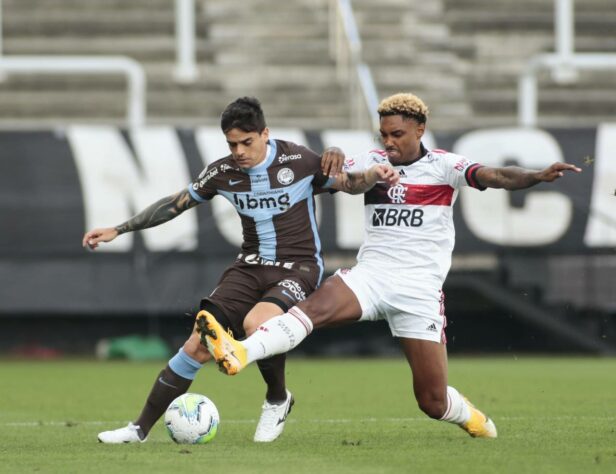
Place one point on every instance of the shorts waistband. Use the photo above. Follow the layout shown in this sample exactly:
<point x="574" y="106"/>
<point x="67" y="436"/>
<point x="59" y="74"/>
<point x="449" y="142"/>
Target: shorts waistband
<point x="256" y="259"/>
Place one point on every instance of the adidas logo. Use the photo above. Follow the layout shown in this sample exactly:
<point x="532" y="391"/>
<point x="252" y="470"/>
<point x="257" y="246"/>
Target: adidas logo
<point x="432" y="328"/>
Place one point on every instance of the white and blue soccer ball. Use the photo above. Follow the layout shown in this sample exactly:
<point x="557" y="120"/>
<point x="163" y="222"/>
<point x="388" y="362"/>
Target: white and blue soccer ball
<point x="192" y="419"/>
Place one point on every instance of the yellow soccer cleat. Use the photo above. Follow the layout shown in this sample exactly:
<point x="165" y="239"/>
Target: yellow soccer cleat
<point x="230" y="355"/>
<point x="479" y="425"/>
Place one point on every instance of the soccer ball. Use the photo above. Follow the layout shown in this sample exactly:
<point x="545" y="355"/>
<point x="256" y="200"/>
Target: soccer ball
<point x="192" y="419"/>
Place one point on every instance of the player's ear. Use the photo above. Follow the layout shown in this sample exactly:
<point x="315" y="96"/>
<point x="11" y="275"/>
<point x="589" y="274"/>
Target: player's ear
<point x="265" y="134"/>
<point x="420" y="130"/>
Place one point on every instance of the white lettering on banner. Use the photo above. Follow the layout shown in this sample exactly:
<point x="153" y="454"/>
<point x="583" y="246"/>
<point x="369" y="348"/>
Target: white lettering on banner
<point x="601" y="227"/>
<point x="546" y="215"/>
<point x="350" y="208"/>
<point x="212" y="147"/>
<point x="115" y="188"/>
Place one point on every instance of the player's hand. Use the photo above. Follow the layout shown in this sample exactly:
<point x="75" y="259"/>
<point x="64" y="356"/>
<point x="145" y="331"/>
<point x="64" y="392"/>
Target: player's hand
<point x="556" y="171"/>
<point x="332" y="161"/>
<point x="385" y="174"/>
<point x="94" y="237"/>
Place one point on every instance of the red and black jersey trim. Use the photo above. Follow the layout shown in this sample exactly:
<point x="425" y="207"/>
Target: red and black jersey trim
<point x="414" y="194"/>
<point x="471" y="176"/>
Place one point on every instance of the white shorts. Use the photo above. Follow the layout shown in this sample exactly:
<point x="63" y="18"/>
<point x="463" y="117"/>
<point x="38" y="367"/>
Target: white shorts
<point x="412" y="311"/>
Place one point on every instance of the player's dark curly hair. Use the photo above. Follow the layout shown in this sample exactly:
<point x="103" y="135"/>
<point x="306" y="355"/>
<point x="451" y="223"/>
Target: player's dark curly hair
<point x="244" y="113"/>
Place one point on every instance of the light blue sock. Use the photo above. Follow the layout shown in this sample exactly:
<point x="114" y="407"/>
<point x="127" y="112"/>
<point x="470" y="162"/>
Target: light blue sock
<point x="184" y="365"/>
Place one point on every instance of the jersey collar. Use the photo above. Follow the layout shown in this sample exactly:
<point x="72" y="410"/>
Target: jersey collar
<point x="270" y="154"/>
<point x="423" y="152"/>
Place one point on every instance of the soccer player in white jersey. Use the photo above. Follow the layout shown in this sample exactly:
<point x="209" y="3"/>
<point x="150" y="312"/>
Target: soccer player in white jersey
<point x="401" y="266"/>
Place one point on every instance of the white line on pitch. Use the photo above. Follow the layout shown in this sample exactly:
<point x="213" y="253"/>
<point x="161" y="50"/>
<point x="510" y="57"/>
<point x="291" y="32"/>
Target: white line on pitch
<point x="69" y="423"/>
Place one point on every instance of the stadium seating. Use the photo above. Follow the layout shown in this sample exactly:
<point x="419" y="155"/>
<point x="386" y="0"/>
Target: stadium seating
<point x="462" y="56"/>
<point x="496" y="39"/>
<point x="277" y="52"/>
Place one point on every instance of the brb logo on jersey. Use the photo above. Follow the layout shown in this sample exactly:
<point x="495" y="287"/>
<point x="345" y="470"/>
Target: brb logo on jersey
<point x="397" y="194"/>
<point x="245" y="201"/>
<point x="397" y="217"/>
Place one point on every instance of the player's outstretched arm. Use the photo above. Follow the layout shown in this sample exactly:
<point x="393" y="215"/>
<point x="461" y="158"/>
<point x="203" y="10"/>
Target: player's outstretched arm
<point x="360" y="182"/>
<point x="513" y="177"/>
<point x="161" y="211"/>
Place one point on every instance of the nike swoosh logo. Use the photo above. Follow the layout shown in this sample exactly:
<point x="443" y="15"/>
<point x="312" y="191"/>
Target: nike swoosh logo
<point x="160" y="379"/>
<point x="287" y="294"/>
<point x="234" y="356"/>
<point x="233" y="182"/>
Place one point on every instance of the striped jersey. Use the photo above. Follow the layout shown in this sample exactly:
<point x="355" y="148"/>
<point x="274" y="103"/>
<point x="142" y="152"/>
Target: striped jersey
<point x="274" y="201"/>
<point x="409" y="227"/>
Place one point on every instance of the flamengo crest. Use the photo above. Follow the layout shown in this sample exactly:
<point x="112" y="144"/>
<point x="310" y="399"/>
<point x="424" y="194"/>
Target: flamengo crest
<point x="397" y="194"/>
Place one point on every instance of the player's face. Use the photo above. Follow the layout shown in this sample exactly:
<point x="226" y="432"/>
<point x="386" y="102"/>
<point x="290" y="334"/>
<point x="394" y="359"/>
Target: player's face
<point x="248" y="148"/>
<point x="401" y="138"/>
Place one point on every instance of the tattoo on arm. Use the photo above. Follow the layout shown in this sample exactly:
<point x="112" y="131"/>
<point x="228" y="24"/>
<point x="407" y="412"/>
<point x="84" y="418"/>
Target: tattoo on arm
<point x="354" y="183"/>
<point x="509" y="177"/>
<point x="161" y="211"/>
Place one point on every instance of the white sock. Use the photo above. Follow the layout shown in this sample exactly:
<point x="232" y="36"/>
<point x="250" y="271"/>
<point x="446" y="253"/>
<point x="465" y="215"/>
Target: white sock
<point x="278" y="335"/>
<point x="458" y="411"/>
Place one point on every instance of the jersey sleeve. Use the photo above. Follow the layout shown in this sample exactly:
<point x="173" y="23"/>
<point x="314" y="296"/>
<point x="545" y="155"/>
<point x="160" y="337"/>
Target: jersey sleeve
<point x="320" y="181"/>
<point x="460" y="171"/>
<point x="363" y="161"/>
<point x="203" y="189"/>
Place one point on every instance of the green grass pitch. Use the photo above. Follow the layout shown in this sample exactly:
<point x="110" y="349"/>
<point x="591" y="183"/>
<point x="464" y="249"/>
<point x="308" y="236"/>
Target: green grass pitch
<point x="554" y="415"/>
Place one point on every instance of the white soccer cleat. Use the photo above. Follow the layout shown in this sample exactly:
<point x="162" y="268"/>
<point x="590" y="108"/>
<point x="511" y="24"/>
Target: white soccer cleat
<point x="127" y="434"/>
<point x="272" y="420"/>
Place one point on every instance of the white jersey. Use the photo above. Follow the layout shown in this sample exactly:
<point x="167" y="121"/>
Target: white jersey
<point x="409" y="227"/>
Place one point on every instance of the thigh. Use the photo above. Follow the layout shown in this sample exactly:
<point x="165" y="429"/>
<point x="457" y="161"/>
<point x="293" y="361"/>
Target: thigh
<point x="237" y="292"/>
<point x="332" y="304"/>
<point x="286" y="288"/>
<point x="428" y="362"/>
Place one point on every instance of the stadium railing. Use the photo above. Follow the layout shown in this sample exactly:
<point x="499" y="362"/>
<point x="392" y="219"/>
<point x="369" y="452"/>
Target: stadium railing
<point x="186" y="66"/>
<point x="136" y="109"/>
<point x="563" y="64"/>
<point x="345" y="47"/>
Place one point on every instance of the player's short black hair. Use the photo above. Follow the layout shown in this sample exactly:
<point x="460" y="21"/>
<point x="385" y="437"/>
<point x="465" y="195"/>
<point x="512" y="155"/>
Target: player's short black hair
<point x="244" y="113"/>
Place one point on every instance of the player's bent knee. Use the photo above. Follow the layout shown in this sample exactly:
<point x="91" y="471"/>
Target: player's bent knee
<point x="250" y="326"/>
<point x="193" y="348"/>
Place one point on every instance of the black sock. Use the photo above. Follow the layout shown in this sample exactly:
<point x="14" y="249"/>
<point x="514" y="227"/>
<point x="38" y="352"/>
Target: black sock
<point x="167" y="387"/>
<point x="272" y="371"/>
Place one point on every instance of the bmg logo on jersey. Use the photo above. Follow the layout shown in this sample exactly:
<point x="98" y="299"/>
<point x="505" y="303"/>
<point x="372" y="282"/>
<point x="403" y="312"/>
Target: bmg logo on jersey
<point x="244" y="201"/>
<point x="397" y="217"/>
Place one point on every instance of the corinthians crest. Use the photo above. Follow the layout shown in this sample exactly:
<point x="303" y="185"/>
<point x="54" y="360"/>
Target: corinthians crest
<point x="285" y="176"/>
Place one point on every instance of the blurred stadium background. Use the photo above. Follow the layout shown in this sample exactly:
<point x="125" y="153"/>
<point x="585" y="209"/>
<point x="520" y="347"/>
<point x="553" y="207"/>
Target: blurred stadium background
<point x="106" y="105"/>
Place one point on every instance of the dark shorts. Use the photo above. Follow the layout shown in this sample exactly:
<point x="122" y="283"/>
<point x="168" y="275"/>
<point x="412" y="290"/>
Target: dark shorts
<point x="243" y="285"/>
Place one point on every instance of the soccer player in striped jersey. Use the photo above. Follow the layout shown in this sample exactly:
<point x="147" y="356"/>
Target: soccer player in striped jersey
<point x="271" y="184"/>
<point x="400" y="267"/>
